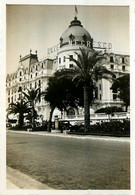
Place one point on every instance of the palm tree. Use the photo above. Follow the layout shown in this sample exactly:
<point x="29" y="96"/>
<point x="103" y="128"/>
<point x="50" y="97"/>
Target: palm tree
<point x="19" y="108"/>
<point x="88" y="70"/>
<point x="32" y="96"/>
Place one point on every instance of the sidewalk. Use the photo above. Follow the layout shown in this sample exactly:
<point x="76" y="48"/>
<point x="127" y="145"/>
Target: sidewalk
<point x="94" y="137"/>
<point x="24" y="181"/>
<point x="11" y="185"/>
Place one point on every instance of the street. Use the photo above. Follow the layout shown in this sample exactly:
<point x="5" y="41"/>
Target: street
<point x="66" y="163"/>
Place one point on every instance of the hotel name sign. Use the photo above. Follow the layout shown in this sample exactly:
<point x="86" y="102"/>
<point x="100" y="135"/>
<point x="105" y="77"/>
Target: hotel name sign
<point x="96" y="45"/>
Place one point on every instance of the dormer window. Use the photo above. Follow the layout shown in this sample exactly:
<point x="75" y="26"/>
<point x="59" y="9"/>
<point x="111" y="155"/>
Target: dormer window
<point x="111" y="59"/>
<point x="84" y="37"/>
<point x="123" y="60"/>
<point x="71" y="37"/>
<point x="61" y="40"/>
<point x="70" y="57"/>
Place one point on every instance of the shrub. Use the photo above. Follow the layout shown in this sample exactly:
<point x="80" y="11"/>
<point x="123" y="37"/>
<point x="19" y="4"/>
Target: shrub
<point x="112" y="128"/>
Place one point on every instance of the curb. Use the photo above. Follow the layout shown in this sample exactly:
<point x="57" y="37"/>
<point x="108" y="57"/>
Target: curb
<point x="19" y="180"/>
<point x="92" y="137"/>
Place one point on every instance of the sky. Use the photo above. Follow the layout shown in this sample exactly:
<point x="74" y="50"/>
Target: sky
<point x="40" y="27"/>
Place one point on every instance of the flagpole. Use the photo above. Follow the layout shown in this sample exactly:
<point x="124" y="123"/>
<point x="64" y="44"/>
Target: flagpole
<point x="76" y="11"/>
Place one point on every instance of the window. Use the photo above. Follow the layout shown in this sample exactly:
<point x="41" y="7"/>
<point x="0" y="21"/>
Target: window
<point x="100" y="87"/>
<point x="35" y="85"/>
<point x="71" y="65"/>
<point x="36" y="68"/>
<point x="70" y="57"/>
<point x="100" y="97"/>
<point x="64" y="58"/>
<point x="8" y="100"/>
<point x="30" y="85"/>
<point x="42" y="65"/>
<point x="20" y="89"/>
<point x="112" y="66"/>
<point x="20" y="73"/>
<point x="36" y="74"/>
<point x="39" y="83"/>
<point x="123" y="68"/>
<point x="31" y="76"/>
<point x="31" y="69"/>
<point x="114" y="76"/>
<point x="96" y="94"/>
<point x="115" y="90"/>
<point x="70" y="111"/>
<point x="114" y="96"/>
<point x="40" y="95"/>
<point x="123" y="60"/>
<point x="9" y="92"/>
<point x="111" y="59"/>
<point x="20" y="79"/>
<point x="59" y="60"/>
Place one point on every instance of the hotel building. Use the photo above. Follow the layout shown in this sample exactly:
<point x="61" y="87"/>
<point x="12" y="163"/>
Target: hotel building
<point x="34" y="73"/>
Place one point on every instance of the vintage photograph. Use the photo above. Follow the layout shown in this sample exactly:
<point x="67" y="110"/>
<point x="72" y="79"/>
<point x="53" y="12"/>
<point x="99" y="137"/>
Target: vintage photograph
<point x="67" y="97"/>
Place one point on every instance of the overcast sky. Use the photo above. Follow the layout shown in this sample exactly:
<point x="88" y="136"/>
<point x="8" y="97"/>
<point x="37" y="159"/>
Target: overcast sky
<point x="40" y="27"/>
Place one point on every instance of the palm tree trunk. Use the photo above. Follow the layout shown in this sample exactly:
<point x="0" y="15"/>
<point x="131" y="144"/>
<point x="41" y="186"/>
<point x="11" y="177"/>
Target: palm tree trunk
<point x="33" y="119"/>
<point x="86" y="108"/>
<point x="20" y="119"/>
<point x="50" y="119"/>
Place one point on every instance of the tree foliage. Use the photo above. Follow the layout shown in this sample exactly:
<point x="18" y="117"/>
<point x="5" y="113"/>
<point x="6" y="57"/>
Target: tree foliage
<point x="31" y="97"/>
<point x="122" y="86"/>
<point x="88" y="70"/>
<point x="20" y="108"/>
<point x="62" y="93"/>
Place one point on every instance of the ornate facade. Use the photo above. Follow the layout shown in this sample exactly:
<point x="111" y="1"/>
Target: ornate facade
<point x="32" y="73"/>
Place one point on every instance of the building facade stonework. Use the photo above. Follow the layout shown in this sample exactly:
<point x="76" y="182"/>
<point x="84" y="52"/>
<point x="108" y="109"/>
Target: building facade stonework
<point x="33" y="73"/>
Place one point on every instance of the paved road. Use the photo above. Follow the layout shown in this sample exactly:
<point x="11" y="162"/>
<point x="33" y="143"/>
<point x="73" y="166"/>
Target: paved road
<point x="66" y="163"/>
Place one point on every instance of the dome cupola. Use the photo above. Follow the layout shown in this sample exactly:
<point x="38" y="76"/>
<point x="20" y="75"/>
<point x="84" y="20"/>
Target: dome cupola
<point x="75" y="34"/>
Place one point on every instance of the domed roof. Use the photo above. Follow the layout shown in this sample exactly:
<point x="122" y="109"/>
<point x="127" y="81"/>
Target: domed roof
<point x="75" y="32"/>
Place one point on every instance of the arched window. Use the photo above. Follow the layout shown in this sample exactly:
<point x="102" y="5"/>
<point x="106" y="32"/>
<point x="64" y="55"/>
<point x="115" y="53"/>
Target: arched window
<point x="70" y="111"/>
<point x="20" y="73"/>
